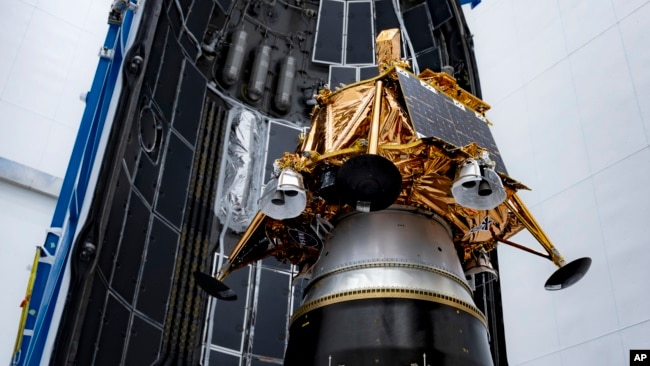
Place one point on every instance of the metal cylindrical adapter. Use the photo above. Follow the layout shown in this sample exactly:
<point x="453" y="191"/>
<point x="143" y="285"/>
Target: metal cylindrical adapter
<point x="388" y="289"/>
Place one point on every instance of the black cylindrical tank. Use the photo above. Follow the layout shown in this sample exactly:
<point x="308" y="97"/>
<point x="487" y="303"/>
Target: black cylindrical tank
<point x="285" y="84"/>
<point x="388" y="290"/>
<point x="259" y="72"/>
<point x="235" y="58"/>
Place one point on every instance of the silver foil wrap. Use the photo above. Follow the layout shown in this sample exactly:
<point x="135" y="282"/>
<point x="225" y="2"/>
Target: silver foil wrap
<point x="236" y="202"/>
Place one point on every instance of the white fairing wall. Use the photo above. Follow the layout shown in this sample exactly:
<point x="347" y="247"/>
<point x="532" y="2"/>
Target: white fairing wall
<point x="569" y="85"/>
<point x="24" y="217"/>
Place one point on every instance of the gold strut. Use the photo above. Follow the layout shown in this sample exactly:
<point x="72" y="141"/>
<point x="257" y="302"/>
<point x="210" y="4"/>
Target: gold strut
<point x="516" y="206"/>
<point x="255" y="223"/>
<point x="373" y="139"/>
<point x="308" y="145"/>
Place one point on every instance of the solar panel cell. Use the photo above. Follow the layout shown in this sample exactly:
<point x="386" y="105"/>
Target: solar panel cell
<point x="435" y="114"/>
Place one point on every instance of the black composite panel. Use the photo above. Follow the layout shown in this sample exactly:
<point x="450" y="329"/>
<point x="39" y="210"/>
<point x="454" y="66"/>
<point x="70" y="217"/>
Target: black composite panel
<point x="328" y="47"/>
<point x="359" y="47"/>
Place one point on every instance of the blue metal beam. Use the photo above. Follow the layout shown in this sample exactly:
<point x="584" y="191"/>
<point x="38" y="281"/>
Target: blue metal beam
<point x="58" y="242"/>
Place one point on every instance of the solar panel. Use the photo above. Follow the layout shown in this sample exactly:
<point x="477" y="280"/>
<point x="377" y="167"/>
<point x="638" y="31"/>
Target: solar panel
<point x="328" y="47"/>
<point x="435" y="114"/>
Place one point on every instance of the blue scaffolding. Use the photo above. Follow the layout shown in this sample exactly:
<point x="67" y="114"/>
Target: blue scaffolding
<point x="44" y="289"/>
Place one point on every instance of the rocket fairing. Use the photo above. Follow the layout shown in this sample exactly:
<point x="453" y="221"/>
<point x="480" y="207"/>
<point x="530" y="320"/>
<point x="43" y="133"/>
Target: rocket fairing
<point x="390" y="206"/>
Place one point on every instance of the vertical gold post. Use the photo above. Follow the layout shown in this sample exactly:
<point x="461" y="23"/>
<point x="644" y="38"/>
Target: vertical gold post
<point x="308" y="144"/>
<point x="329" y="130"/>
<point x="373" y="139"/>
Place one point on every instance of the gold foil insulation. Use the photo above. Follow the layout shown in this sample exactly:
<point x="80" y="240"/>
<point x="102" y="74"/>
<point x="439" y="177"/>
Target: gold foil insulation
<point x="341" y="128"/>
<point x="387" y="48"/>
<point x="447" y="84"/>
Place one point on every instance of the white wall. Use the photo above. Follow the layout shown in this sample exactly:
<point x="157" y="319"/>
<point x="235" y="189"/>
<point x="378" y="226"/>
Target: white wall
<point x="24" y="217"/>
<point x="569" y="85"/>
<point x="48" y="58"/>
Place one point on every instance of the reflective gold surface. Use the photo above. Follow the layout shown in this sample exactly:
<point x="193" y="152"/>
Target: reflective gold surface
<point x="371" y="117"/>
<point x="447" y="85"/>
<point x="517" y="207"/>
<point x="341" y="128"/>
<point x="387" y="48"/>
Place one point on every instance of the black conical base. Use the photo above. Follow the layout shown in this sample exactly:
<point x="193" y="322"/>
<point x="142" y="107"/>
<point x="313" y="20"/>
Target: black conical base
<point x="214" y="287"/>
<point x="387" y="332"/>
<point x="568" y="275"/>
<point x="369" y="182"/>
